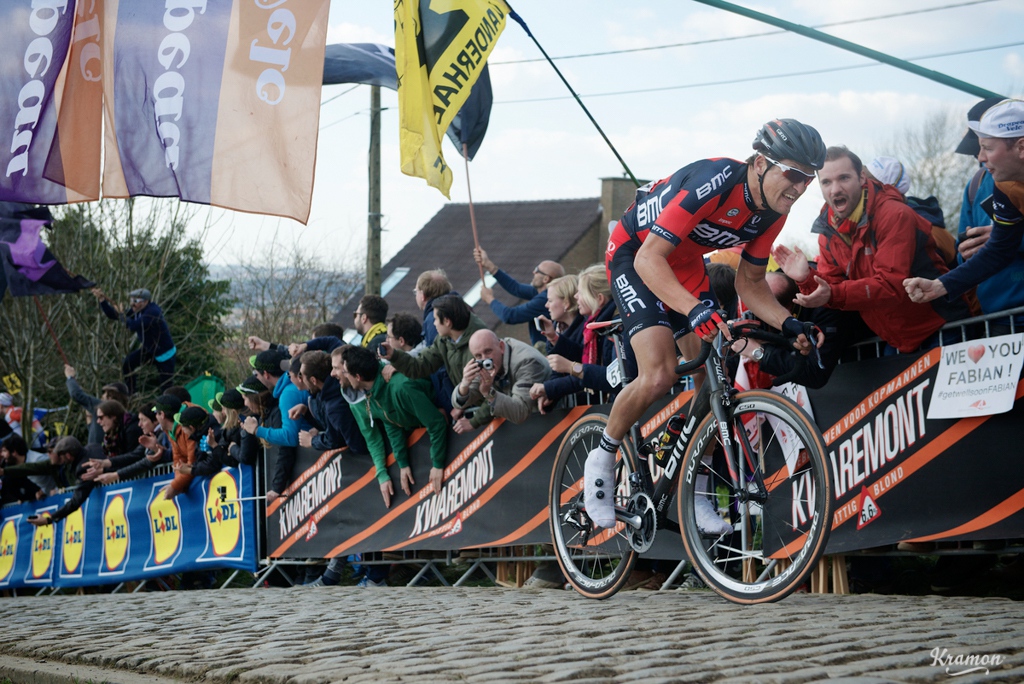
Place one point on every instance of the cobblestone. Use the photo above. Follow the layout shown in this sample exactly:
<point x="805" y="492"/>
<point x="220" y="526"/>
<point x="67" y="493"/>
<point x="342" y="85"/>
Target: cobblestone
<point x="350" y="635"/>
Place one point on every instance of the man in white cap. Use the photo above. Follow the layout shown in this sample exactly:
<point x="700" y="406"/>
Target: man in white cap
<point x="1000" y="132"/>
<point x="146" y="319"/>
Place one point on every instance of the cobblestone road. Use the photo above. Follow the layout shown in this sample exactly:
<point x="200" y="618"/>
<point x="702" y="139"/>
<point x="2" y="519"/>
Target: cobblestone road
<point x="347" y="634"/>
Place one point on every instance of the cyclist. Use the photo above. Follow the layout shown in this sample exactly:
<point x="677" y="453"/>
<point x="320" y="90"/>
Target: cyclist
<point x="656" y="268"/>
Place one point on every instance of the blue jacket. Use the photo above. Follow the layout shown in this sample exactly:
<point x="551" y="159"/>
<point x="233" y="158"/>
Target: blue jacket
<point x="148" y="325"/>
<point x="524" y="313"/>
<point x="332" y="411"/>
<point x="287" y="395"/>
<point x="1005" y="289"/>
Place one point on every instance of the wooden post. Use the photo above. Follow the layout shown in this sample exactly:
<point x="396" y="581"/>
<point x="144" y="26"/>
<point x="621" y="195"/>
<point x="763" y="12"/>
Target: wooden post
<point x="373" y="278"/>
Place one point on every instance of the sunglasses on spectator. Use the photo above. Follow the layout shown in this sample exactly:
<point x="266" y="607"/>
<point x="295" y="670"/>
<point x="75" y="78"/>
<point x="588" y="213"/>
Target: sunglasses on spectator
<point x="793" y="175"/>
<point x="537" y="270"/>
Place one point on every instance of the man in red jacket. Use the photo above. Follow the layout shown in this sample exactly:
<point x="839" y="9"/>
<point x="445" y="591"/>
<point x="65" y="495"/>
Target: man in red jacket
<point x="869" y="242"/>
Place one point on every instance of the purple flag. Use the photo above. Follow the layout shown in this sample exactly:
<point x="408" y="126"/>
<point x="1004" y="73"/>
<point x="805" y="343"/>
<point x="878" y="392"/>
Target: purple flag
<point x="29" y="268"/>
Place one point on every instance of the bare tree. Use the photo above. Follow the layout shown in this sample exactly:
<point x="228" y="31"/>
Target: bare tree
<point x="926" y="150"/>
<point x="284" y="292"/>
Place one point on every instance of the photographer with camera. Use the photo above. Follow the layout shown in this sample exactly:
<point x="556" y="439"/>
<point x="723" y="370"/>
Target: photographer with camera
<point x="498" y="380"/>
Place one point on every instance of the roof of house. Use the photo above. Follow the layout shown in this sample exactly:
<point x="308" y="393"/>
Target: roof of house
<point x="516" y="236"/>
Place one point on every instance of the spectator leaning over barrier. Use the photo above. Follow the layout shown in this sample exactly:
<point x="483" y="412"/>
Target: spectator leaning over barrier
<point x="1000" y="131"/>
<point x="182" y="448"/>
<point x="70" y="455"/>
<point x="563" y="318"/>
<point x="583" y="365"/>
<point x="535" y="292"/>
<point x="329" y="408"/>
<point x="498" y="380"/>
<point x="137" y="462"/>
<point x="270" y="371"/>
<point x="195" y="424"/>
<point x="369" y="319"/>
<point x="456" y="323"/>
<point x="146" y="320"/>
<point x="869" y="242"/>
<point x="225" y="448"/>
<point x="117" y="391"/>
<point x="403" y="405"/>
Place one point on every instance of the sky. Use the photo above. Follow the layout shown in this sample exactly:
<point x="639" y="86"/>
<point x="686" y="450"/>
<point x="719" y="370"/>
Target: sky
<point x="661" y="108"/>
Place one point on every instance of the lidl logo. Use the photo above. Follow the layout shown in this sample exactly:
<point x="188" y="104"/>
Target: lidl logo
<point x="165" y="525"/>
<point x="223" y="514"/>
<point x="74" y="541"/>
<point x="115" y="533"/>
<point x="8" y="549"/>
<point x="42" y="550"/>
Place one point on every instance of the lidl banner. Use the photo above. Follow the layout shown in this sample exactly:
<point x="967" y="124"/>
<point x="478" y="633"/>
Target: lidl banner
<point x="495" y="493"/>
<point x="127" y="531"/>
<point x="901" y="475"/>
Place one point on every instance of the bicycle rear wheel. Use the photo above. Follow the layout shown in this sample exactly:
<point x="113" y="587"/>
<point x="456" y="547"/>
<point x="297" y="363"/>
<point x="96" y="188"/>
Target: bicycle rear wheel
<point x="781" y="512"/>
<point x="596" y="562"/>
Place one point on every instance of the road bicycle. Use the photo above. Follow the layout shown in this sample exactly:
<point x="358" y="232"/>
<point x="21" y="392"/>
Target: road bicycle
<point x="754" y="454"/>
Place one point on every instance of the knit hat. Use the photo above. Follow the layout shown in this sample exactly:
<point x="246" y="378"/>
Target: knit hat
<point x="191" y="416"/>
<point x="251" y="385"/>
<point x="230" y="398"/>
<point x="969" y="145"/>
<point x="891" y="172"/>
<point x="271" y="360"/>
<point x="141" y="293"/>
<point x="168" y="403"/>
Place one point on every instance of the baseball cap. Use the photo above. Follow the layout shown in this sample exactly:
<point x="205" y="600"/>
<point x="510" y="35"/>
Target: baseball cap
<point x="1002" y="120"/>
<point x="890" y="171"/>
<point x="230" y="398"/>
<point x="969" y="145"/>
<point x="271" y="360"/>
<point x="168" y="403"/>
<point x="141" y="293"/>
<point x="191" y="416"/>
<point x="251" y="385"/>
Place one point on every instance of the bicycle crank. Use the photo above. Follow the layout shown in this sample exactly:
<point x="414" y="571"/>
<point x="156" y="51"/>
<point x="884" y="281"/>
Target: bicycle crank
<point x="641" y="537"/>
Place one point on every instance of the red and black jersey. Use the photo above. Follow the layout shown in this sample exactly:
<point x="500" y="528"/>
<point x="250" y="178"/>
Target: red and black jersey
<point x="702" y="207"/>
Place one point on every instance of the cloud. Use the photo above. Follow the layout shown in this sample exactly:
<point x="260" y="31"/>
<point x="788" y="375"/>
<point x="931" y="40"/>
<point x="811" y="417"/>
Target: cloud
<point x="345" y="32"/>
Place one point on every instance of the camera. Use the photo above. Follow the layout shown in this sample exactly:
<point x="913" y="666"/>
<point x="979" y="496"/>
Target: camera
<point x="486" y="364"/>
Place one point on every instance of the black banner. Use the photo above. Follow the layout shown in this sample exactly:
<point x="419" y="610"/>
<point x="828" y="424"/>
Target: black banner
<point x="898" y="475"/>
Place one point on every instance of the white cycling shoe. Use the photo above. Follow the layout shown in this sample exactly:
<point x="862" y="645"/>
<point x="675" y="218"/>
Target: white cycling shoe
<point x="599" y="487"/>
<point x="708" y="519"/>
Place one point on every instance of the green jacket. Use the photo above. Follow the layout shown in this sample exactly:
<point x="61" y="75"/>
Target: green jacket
<point x="402" y="405"/>
<point x="453" y="356"/>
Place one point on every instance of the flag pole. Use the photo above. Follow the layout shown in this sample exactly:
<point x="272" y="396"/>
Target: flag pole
<point x="519" y="20"/>
<point x="49" y="327"/>
<point x="472" y="214"/>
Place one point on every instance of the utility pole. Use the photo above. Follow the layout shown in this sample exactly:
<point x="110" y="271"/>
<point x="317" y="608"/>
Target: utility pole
<point x="373" y="217"/>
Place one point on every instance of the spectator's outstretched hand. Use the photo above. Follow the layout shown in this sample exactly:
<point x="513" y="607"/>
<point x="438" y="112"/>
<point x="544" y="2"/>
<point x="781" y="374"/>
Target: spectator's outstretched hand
<point x="486" y="294"/>
<point x="436" y="479"/>
<point x="296" y="349"/>
<point x="211" y="438"/>
<point x="69" y="371"/>
<point x="306" y="438"/>
<point x="480" y="257"/>
<point x="407" y="481"/>
<point x="272" y="496"/>
<point x="387" y="490"/>
<point x="297" y="411"/>
<point x="250" y="424"/>
<point x="921" y="290"/>
<point x="559" y="364"/>
<point x="462" y="425"/>
<point x="108" y="478"/>
<point x="98" y="294"/>
<point x="258" y="344"/>
<point x="793" y="262"/>
<point x="821" y="296"/>
<point x="40" y="520"/>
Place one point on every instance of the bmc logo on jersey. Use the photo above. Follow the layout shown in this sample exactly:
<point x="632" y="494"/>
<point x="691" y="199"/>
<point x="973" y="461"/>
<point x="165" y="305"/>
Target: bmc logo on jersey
<point x="716" y="182"/>
<point x="649" y="209"/>
<point x="708" y="235"/>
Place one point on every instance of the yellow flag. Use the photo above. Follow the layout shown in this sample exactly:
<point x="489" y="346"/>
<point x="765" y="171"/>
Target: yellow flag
<point x="440" y="49"/>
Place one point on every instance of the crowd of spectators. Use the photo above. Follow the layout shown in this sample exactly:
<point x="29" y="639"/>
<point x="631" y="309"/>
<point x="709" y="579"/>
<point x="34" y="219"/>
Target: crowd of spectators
<point x="883" y="267"/>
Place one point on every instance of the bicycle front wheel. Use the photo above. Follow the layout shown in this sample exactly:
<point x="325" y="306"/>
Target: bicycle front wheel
<point x="777" y="497"/>
<point x="597" y="562"/>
